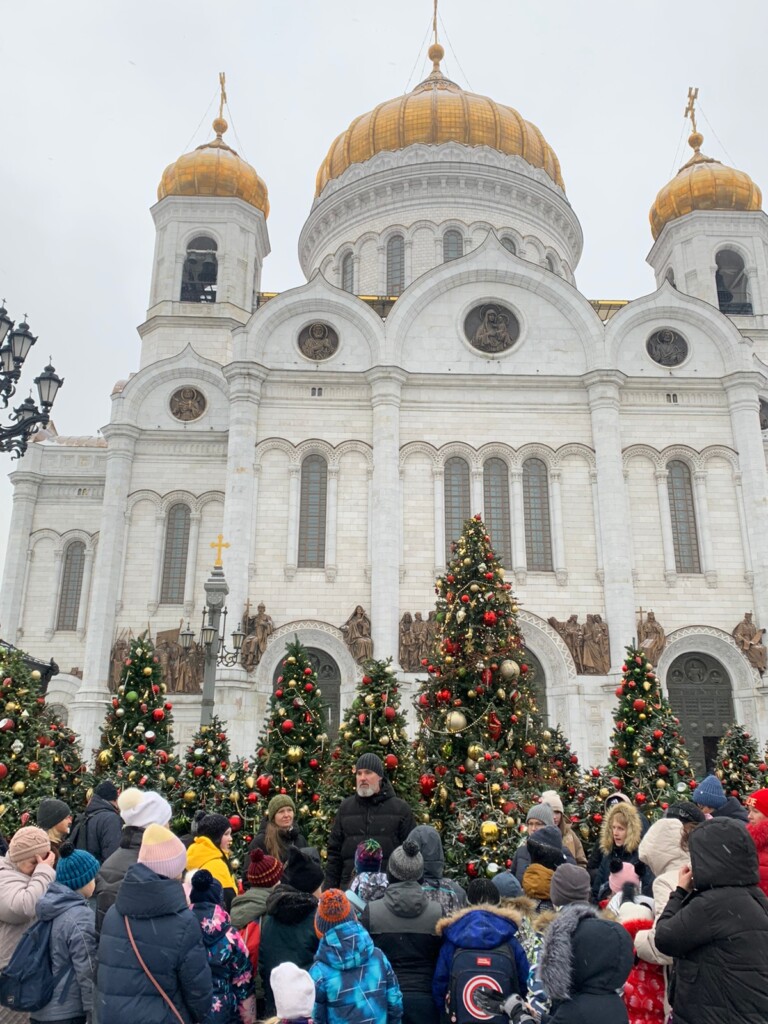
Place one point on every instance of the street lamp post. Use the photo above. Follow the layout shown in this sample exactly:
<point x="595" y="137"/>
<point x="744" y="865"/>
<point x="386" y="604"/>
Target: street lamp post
<point x="15" y="345"/>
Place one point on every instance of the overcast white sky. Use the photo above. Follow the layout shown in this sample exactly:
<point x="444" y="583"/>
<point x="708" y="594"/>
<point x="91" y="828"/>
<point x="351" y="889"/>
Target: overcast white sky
<point x="98" y="97"/>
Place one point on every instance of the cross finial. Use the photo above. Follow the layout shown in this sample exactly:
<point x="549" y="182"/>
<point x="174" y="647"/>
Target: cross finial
<point x="219" y="544"/>
<point x="223" y="87"/>
<point x="690" y="108"/>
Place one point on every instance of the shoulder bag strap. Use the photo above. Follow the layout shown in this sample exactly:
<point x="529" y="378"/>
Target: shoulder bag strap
<point x="149" y="974"/>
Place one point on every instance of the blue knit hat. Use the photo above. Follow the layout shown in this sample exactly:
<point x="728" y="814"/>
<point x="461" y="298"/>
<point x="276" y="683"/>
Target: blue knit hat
<point x="75" y="868"/>
<point x="709" y="793"/>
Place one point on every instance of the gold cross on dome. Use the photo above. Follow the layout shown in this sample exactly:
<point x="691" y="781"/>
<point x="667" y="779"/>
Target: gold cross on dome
<point x="219" y="544"/>
<point x="222" y="86"/>
<point x="690" y="109"/>
<point x="434" y="20"/>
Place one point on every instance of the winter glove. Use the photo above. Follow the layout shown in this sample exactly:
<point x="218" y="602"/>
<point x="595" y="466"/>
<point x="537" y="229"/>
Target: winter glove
<point x="513" y="1006"/>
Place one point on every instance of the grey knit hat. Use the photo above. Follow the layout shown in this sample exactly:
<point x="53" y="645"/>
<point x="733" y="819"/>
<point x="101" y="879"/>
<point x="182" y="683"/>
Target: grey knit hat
<point x="541" y="812"/>
<point x="51" y="812"/>
<point x="406" y="863"/>
<point x="371" y="763"/>
<point x="570" y="884"/>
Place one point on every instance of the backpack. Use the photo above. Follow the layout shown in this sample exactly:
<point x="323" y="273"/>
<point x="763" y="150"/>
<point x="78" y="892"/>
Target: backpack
<point x="78" y="834"/>
<point x="28" y="982"/>
<point x="251" y="936"/>
<point x="472" y="969"/>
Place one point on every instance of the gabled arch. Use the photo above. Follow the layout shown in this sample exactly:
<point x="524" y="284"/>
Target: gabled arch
<point x="496" y="450"/>
<point x="419" y="448"/>
<point x="461" y="450"/>
<point x="534" y="450"/>
<point x="187" y="365"/>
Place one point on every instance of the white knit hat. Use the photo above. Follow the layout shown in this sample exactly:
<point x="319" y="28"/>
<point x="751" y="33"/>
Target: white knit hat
<point x="140" y="809"/>
<point x="552" y="798"/>
<point x="294" y="991"/>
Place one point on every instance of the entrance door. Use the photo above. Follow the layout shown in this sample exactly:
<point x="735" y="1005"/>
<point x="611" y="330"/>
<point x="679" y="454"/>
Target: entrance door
<point x="702" y="698"/>
<point x="539" y="682"/>
<point x="329" y="681"/>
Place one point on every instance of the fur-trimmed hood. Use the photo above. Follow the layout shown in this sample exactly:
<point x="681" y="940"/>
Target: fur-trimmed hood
<point x="759" y="833"/>
<point x="480" y="927"/>
<point x="584" y="953"/>
<point x="634" y="828"/>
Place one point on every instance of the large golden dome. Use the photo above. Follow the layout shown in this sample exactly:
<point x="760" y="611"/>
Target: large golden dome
<point x="703" y="184"/>
<point x="214" y="169"/>
<point x="438" y="111"/>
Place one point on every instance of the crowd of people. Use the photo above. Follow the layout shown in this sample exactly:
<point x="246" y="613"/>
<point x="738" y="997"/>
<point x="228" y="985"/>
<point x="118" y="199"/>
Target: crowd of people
<point x="114" y="919"/>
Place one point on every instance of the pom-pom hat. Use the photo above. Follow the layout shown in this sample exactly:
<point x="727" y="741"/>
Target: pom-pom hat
<point x="333" y="908"/>
<point x="263" y="871"/>
<point x="162" y="851"/>
<point x="406" y="863"/>
<point x="141" y="808"/>
<point x="368" y="856"/>
<point x="76" y="868"/>
<point x="204" y="888"/>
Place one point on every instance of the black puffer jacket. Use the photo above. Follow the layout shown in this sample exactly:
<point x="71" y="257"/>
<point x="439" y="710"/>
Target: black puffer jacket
<point x="732" y="809"/>
<point x="99" y="829"/>
<point x="171" y="944"/>
<point x="288" y="837"/>
<point x="383" y="816"/>
<point x="287" y="934"/>
<point x="718" y="934"/>
<point x="112" y="873"/>
<point x="402" y="924"/>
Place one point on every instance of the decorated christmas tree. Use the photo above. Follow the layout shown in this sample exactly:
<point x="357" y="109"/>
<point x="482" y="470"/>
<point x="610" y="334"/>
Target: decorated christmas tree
<point x="245" y="810"/>
<point x="588" y="808"/>
<point x="738" y="764"/>
<point x="648" y="755"/>
<point x="137" y="735"/>
<point x="204" y="776"/>
<point x="373" y="723"/>
<point x="561" y="765"/>
<point x="480" y="739"/>
<point x="69" y="769"/>
<point x="293" y="748"/>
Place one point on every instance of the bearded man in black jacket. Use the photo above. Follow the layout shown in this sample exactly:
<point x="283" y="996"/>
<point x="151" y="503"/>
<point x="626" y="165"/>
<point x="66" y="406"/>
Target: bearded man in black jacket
<point x="374" y="812"/>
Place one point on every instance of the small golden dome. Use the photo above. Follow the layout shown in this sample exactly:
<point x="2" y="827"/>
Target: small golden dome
<point x="438" y="111"/>
<point x="214" y="169"/>
<point x="703" y="184"/>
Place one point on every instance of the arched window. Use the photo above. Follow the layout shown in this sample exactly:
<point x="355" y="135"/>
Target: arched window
<point x="314" y="489"/>
<point x="509" y="244"/>
<point x="683" y="515"/>
<point x="549" y="263"/>
<point x="201" y="268"/>
<point x="669" y="277"/>
<point x="71" y="586"/>
<point x="453" y="246"/>
<point x="175" y="555"/>
<point x="457" y="501"/>
<point x="732" y="284"/>
<point x="395" y="265"/>
<point x="348" y="273"/>
<point x="538" y="532"/>
<point x="496" y="491"/>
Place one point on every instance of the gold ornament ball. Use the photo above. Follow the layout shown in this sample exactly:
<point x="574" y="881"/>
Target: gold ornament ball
<point x="295" y="754"/>
<point x="234" y="796"/>
<point x="347" y="735"/>
<point x="518" y="763"/>
<point x="190" y="796"/>
<point x="370" y="700"/>
<point x="250" y="782"/>
<point x="470" y="765"/>
<point x="18" y="788"/>
<point x="495" y="788"/>
<point x="547" y="735"/>
<point x="384" y="740"/>
<point x="148" y="671"/>
<point x="455" y="721"/>
<point x="661" y="784"/>
<point x="475" y="751"/>
<point x="467" y="561"/>
<point x="604" y="792"/>
<point x="501" y="693"/>
<point x="11" y="707"/>
<point x="471" y="694"/>
<point x="509" y="669"/>
<point x="234" y="863"/>
<point x="35" y="675"/>
<point x="489" y="832"/>
<point x="510" y="822"/>
<point x="104" y="757"/>
<point x="291" y="660"/>
<point x="646" y="686"/>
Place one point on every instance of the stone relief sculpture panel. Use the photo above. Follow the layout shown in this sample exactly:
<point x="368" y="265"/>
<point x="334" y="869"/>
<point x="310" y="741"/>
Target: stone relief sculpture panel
<point x="187" y="404"/>
<point x="357" y="635"/>
<point x="258" y="629"/>
<point x="667" y="348"/>
<point x="651" y="637"/>
<point x="318" y="341"/>
<point x="491" y="328"/>
<point x="588" y="643"/>
<point x="417" y="639"/>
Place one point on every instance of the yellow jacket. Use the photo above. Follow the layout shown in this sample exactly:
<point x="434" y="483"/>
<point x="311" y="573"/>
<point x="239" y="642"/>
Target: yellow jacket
<point x="204" y="853"/>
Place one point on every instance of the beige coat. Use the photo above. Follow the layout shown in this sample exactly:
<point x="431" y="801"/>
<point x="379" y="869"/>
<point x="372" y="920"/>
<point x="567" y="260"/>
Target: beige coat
<point x="572" y="843"/>
<point x="19" y="894"/>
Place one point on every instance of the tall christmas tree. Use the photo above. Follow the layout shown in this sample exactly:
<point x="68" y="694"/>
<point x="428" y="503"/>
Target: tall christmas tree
<point x="241" y="803"/>
<point x="68" y="766"/>
<point x="480" y="737"/>
<point x="738" y="763"/>
<point x="293" y="748"/>
<point x="588" y="808"/>
<point x="648" y="754"/>
<point x="206" y="765"/>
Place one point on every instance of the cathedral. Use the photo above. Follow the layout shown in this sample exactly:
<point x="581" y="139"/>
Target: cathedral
<point x="438" y="361"/>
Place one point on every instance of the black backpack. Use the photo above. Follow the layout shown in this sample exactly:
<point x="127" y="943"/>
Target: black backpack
<point x="28" y="982"/>
<point x="472" y="969"/>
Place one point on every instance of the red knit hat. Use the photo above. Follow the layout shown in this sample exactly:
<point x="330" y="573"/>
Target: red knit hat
<point x="264" y="871"/>
<point x="333" y="908"/>
<point x="759" y="800"/>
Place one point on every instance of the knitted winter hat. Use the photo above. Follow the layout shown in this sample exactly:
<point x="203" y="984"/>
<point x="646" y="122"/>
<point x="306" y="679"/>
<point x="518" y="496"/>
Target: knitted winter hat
<point x="213" y="826"/>
<point x="759" y="800"/>
<point x="76" y="868"/>
<point x="371" y="763"/>
<point x="686" y="812"/>
<point x="482" y="890"/>
<point x="406" y="863"/>
<point x="293" y="991"/>
<point x="263" y="871"/>
<point x="508" y="885"/>
<point x="149" y="808"/>
<point x="106" y="790"/>
<point x="709" y="793"/>
<point x="368" y="856"/>
<point x="546" y="847"/>
<point x="277" y="803"/>
<point x="552" y="798"/>
<point x="205" y="888"/>
<point x="162" y="852"/>
<point x="51" y="812"/>
<point x="333" y="908"/>
<point x="570" y="884"/>
<point x="621" y="873"/>
<point x="541" y="812"/>
<point x="27" y="843"/>
<point x="302" y="872"/>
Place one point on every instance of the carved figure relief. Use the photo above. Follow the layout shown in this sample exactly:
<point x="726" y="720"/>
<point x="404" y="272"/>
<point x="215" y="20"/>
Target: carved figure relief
<point x="491" y="328"/>
<point x="651" y="637"/>
<point x="572" y="635"/>
<point x="750" y="641"/>
<point x="117" y="658"/>
<point x="589" y="644"/>
<point x="182" y="669"/>
<point x="187" y="404"/>
<point x="357" y="635"/>
<point x="407" y="653"/>
<point x="258" y="629"/>
<point x="318" y="341"/>
<point x="667" y="347"/>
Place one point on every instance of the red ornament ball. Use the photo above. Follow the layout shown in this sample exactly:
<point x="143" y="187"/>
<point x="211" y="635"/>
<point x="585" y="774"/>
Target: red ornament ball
<point x="465" y="598"/>
<point x="390" y="714"/>
<point x="314" y="764"/>
<point x="198" y="771"/>
<point x="287" y="725"/>
<point x="3" y="770"/>
<point x="158" y="714"/>
<point x="309" y="687"/>
<point x="391" y="762"/>
<point x="33" y="767"/>
<point x="639" y="704"/>
<point x="640" y="798"/>
<point x="235" y="822"/>
<point x="7" y="725"/>
<point x="264" y="784"/>
<point x="307" y="671"/>
<point x="619" y="691"/>
<point x="278" y="693"/>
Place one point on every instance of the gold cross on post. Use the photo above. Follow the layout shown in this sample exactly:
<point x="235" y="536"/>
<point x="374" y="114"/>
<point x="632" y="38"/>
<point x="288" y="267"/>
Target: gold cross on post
<point x="690" y="109"/>
<point x="219" y="544"/>
<point x="434" y="20"/>
<point x="222" y="86"/>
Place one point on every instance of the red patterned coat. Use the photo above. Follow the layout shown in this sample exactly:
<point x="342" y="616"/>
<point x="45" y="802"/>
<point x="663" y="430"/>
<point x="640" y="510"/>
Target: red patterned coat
<point x="644" y="990"/>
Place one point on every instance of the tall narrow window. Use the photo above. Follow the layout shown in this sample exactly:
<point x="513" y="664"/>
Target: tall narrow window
<point x="201" y="270"/>
<point x="549" y="263"/>
<point x="538" y="532"/>
<point x="496" y="488"/>
<point x="314" y="487"/>
<point x="71" y="586"/>
<point x="509" y="244"/>
<point x="453" y="246"/>
<point x="683" y="514"/>
<point x="348" y="273"/>
<point x="732" y="284"/>
<point x="395" y="265"/>
<point x="175" y="555"/>
<point x="457" y="501"/>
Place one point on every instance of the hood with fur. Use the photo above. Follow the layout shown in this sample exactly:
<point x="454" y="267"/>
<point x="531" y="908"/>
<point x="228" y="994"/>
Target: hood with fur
<point x="479" y="927"/>
<point x="634" y="828"/>
<point x="660" y="846"/>
<point x="584" y="953"/>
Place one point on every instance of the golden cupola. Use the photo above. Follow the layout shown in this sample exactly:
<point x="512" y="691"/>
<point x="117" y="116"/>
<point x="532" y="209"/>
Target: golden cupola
<point x="703" y="184"/>
<point x="214" y="169"/>
<point x="438" y="111"/>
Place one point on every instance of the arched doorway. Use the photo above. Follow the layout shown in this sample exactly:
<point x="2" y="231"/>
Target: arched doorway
<point x="329" y="680"/>
<point x="701" y="696"/>
<point x="539" y="682"/>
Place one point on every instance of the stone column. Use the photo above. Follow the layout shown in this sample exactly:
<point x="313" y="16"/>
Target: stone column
<point x="85" y="593"/>
<point x="438" y="480"/>
<point x="25" y="488"/>
<point x="600" y="573"/>
<point x="558" y="540"/>
<point x="294" y="494"/>
<point x="55" y="592"/>
<point x="603" y="391"/>
<point x="744" y="530"/>
<point x="478" y="493"/>
<point x="191" y="567"/>
<point x="386" y="384"/>
<point x="331" y="520"/>
<point x="157" y="563"/>
<point x="88" y="710"/>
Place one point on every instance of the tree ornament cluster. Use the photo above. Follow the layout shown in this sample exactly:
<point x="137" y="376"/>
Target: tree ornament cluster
<point x="738" y="763"/>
